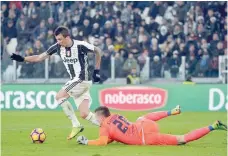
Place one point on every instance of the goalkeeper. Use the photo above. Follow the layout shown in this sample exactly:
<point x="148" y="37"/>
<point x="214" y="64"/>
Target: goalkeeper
<point x="144" y="131"/>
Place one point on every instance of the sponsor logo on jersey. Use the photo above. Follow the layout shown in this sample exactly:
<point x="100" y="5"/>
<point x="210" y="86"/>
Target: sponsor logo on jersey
<point x="70" y="60"/>
<point x="133" y="98"/>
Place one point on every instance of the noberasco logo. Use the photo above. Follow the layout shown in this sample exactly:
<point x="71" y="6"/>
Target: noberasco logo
<point x="133" y="98"/>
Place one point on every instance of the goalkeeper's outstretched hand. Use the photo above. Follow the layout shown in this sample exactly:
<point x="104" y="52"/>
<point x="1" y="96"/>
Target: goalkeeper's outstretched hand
<point x="16" y="57"/>
<point x="82" y="140"/>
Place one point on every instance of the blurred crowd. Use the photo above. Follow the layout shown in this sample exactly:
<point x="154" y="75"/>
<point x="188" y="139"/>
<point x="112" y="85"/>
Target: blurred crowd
<point x="128" y="32"/>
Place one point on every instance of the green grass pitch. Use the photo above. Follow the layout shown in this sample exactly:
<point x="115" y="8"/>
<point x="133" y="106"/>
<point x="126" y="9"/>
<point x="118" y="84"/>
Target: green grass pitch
<point x="17" y="125"/>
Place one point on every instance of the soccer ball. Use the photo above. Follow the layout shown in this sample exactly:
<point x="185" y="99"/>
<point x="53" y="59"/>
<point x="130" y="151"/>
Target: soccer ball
<point x="38" y="136"/>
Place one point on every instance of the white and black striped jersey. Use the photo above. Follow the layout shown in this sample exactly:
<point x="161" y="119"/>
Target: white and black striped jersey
<point x="74" y="58"/>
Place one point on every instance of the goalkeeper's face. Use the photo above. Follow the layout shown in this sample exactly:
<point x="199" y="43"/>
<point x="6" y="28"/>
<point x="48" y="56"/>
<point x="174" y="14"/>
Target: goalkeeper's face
<point x="99" y="117"/>
<point x="63" y="41"/>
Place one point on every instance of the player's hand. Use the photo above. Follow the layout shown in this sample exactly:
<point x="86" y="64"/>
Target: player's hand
<point x="96" y="75"/>
<point x="82" y="140"/>
<point x="16" y="57"/>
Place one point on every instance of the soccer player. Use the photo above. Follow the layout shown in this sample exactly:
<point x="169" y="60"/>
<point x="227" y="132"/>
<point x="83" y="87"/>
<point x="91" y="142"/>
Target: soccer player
<point x="74" y="57"/>
<point x="144" y="131"/>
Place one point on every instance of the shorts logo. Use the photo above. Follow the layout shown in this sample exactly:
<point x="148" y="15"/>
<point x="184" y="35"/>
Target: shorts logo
<point x="133" y="98"/>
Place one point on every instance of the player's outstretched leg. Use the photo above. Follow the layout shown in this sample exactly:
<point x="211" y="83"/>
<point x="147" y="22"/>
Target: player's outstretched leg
<point x="155" y="116"/>
<point x="61" y="98"/>
<point x="69" y="111"/>
<point x="199" y="133"/>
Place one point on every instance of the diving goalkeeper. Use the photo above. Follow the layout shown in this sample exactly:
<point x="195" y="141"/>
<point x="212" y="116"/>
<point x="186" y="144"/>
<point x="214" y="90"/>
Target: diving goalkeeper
<point x="144" y="131"/>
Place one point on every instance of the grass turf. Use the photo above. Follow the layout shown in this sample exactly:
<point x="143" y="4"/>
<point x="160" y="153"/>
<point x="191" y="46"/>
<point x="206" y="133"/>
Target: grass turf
<point x="17" y="125"/>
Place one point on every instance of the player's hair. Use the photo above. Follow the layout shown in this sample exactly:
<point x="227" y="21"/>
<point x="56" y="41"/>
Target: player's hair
<point x="103" y="111"/>
<point x="62" y="30"/>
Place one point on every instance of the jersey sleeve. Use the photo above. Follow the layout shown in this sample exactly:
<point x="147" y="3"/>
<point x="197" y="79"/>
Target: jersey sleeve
<point x="86" y="47"/>
<point x="53" y="49"/>
<point x="103" y="139"/>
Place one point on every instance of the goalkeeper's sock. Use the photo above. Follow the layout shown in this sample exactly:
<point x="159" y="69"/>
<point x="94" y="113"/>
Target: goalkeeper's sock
<point x="197" y="134"/>
<point x="155" y="116"/>
<point x="69" y="112"/>
<point x="91" y="118"/>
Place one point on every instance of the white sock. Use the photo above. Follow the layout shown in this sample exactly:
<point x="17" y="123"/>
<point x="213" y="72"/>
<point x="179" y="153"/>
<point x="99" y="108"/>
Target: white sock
<point x="69" y="112"/>
<point x="92" y="119"/>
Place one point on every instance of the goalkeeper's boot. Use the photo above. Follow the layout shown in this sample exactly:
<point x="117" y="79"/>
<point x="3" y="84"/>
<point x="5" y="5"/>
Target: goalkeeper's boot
<point x="176" y="110"/>
<point x="218" y="125"/>
<point x="75" y="131"/>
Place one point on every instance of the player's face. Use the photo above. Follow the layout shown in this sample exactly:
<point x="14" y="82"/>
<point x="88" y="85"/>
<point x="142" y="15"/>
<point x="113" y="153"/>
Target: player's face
<point x="62" y="41"/>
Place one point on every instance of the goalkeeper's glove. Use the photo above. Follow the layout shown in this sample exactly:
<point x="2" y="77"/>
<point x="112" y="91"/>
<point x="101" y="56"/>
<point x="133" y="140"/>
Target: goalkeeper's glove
<point x="16" y="57"/>
<point x="96" y="75"/>
<point x="82" y="140"/>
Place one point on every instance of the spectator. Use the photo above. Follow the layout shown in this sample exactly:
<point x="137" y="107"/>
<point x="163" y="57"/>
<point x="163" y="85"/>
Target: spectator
<point x="214" y="66"/>
<point x="30" y="10"/>
<point x="126" y="14"/>
<point x="86" y="28"/>
<point x="119" y="43"/>
<point x="9" y="31"/>
<point x="141" y="34"/>
<point x="44" y="12"/>
<point x="181" y="11"/>
<point x="130" y="34"/>
<point x="129" y="64"/>
<point x="118" y="65"/>
<point x="177" y="32"/>
<point x="137" y="17"/>
<point x="155" y="67"/>
<point x="95" y="29"/>
<point x="105" y="66"/>
<point x="108" y="30"/>
<point x="191" y="65"/>
<point x="219" y="49"/>
<point x="142" y="58"/>
<point x="134" y="45"/>
<point x="38" y="48"/>
<point x="40" y="29"/>
<point x="12" y="16"/>
<point x="14" y="9"/>
<point x="152" y="26"/>
<point x="203" y="65"/>
<point x="4" y="10"/>
<point x="145" y="44"/>
<point x="155" y="51"/>
<point x="21" y="18"/>
<point x="212" y="25"/>
<point x="51" y="25"/>
<point x="50" y="38"/>
<point x="174" y="64"/>
<point x="33" y="22"/>
<point x="119" y="31"/>
<point x="214" y="41"/>
<point x="98" y="18"/>
<point x="22" y="33"/>
<point x="133" y="77"/>
<point x="108" y="42"/>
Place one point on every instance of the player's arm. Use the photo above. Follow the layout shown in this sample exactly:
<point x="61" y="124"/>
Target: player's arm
<point x="97" y="52"/>
<point x="36" y="58"/>
<point x="86" y="47"/>
<point x="101" y="141"/>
